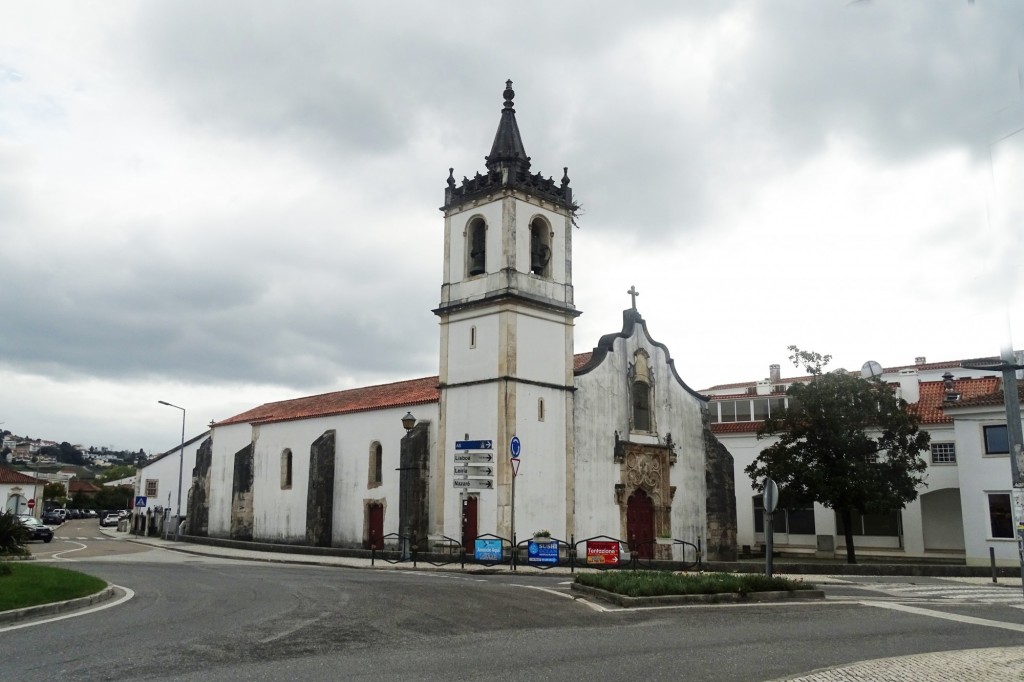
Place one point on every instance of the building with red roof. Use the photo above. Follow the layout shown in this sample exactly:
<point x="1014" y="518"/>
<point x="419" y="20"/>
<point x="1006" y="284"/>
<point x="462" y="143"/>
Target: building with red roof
<point x="963" y="511"/>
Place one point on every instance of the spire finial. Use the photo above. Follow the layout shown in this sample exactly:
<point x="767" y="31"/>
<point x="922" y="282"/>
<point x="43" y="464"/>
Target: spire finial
<point x="509" y="94"/>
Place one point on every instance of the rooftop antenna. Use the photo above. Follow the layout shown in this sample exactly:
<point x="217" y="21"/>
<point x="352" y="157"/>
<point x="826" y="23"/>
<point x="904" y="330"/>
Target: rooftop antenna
<point x="871" y="370"/>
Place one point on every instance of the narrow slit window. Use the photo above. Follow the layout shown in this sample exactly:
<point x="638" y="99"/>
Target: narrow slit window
<point x="540" y="409"/>
<point x="286" y="469"/>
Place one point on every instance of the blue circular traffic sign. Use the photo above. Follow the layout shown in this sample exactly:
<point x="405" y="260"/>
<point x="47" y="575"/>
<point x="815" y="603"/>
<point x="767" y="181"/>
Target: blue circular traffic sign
<point x="514" y="447"/>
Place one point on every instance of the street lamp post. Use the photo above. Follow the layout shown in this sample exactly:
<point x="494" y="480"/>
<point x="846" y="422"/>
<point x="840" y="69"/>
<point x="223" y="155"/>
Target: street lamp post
<point x="181" y="463"/>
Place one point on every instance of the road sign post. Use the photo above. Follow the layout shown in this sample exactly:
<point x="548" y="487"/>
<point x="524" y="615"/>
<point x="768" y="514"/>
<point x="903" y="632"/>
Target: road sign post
<point x="771" y="501"/>
<point x="514" y="448"/>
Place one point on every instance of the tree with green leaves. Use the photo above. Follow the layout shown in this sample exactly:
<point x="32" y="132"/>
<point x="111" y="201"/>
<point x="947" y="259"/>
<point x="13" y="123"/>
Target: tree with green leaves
<point x="55" y="491"/>
<point x="845" y="442"/>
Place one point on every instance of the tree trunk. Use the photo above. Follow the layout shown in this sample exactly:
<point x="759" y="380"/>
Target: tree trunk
<point x="844" y="513"/>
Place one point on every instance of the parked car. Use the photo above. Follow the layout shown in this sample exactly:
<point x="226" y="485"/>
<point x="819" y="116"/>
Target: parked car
<point x="90" y="514"/>
<point x="110" y="520"/>
<point x="55" y="517"/>
<point x="38" y="529"/>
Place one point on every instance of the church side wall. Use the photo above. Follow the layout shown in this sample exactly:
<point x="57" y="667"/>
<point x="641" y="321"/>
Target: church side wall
<point x="227" y="440"/>
<point x="280" y="515"/>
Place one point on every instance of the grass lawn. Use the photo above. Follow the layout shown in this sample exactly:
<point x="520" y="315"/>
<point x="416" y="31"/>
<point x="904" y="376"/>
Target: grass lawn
<point x="30" y="584"/>
<point x="659" y="583"/>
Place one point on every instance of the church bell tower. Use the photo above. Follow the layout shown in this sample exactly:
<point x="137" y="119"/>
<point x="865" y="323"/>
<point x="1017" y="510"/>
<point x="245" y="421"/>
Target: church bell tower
<point x="506" y="322"/>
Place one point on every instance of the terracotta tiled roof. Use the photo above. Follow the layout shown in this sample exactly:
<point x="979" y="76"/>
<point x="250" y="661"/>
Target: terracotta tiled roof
<point x="76" y="486"/>
<point x="398" y="394"/>
<point x="736" y="427"/>
<point x="12" y="477"/>
<point x="993" y="398"/>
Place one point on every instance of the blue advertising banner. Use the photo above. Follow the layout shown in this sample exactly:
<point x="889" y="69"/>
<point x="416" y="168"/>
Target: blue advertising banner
<point x="542" y="552"/>
<point x="487" y="549"/>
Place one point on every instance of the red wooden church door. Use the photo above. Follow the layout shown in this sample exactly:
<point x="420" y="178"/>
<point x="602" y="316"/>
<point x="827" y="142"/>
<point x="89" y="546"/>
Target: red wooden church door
<point x="376" y="524"/>
<point x="469" y="528"/>
<point x="640" y="524"/>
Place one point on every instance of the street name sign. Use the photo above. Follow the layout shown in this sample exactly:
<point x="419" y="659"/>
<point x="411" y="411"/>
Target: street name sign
<point x="474" y="445"/>
<point x="473" y="483"/>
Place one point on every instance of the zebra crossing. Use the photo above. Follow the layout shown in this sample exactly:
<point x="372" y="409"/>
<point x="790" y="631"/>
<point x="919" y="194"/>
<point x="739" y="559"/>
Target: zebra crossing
<point x="949" y="592"/>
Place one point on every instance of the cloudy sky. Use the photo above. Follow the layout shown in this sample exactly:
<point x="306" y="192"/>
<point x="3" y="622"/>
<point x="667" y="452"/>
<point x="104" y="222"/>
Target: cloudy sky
<point x="220" y="204"/>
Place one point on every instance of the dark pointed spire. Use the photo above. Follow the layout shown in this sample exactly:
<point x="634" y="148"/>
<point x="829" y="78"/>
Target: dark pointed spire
<point x="508" y="149"/>
<point x="508" y="167"/>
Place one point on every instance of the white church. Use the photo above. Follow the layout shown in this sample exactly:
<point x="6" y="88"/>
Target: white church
<point x="611" y="442"/>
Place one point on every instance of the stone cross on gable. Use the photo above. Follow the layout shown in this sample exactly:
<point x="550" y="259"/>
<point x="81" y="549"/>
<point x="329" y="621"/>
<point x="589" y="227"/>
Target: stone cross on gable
<point x="633" y="294"/>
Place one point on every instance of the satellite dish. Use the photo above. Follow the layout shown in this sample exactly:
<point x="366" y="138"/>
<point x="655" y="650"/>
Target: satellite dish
<point x="871" y="369"/>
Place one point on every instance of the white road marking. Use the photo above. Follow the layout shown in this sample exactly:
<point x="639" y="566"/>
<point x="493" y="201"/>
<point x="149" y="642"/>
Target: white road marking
<point x="68" y="551"/>
<point x="544" y="589"/>
<point x="947" y="616"/>
<point x="128" y="594"/>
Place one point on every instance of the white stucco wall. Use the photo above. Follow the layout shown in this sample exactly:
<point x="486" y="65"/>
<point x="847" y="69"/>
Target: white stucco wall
<point x="279" y="515"/>
<point x="165" y="471"/>
<point x="602" y="407"/>
<point x="227" y="440"/>
<point x="981" y="474"/>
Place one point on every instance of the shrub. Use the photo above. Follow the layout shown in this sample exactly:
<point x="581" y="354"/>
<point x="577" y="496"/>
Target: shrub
<point x="13" y="536"/>
<point x="658" y="583"/>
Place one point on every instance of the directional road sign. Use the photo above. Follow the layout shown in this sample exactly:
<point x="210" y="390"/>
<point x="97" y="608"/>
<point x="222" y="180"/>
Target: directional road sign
<point x="474" y="457"/>
<point x="514" y="447"/>
<point x="473" y="483"/>
<point x="474" y="445"/>
<point x="474" y="470"/>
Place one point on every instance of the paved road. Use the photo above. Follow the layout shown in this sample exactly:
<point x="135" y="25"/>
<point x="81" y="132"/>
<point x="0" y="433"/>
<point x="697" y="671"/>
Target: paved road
<point x="209" y="618"/>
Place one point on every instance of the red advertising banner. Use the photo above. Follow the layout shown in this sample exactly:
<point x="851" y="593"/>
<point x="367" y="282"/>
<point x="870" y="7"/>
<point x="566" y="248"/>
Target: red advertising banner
<point x="604" y="552"/>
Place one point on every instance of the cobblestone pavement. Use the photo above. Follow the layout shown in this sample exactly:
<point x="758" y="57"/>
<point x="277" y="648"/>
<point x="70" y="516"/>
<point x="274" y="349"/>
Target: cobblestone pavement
<point x="976" y="665"/>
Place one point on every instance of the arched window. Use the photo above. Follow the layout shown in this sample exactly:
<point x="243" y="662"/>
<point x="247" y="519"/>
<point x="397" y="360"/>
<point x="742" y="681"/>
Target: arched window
<point x="641" y="390"/>
<point x="376" y="465"/>
<point x="286" y="469"/>
<point x="476" y="238"/>
<point x="540" y="247"/>
<point x="641" y="406"/>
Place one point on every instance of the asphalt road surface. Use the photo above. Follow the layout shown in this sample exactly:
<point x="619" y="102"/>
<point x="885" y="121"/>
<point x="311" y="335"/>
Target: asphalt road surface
<point x="201" y="618"/>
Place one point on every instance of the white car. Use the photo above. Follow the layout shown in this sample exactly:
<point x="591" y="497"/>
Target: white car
<point x="110" y="520"/>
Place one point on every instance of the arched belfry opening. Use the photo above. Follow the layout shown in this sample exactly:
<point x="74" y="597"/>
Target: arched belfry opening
<point x="540" y="247"/>
<point x="476" y="237"/>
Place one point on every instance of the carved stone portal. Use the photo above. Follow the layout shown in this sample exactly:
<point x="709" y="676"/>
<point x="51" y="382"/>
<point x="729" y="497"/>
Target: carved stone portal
<point x="645" y="467"/>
